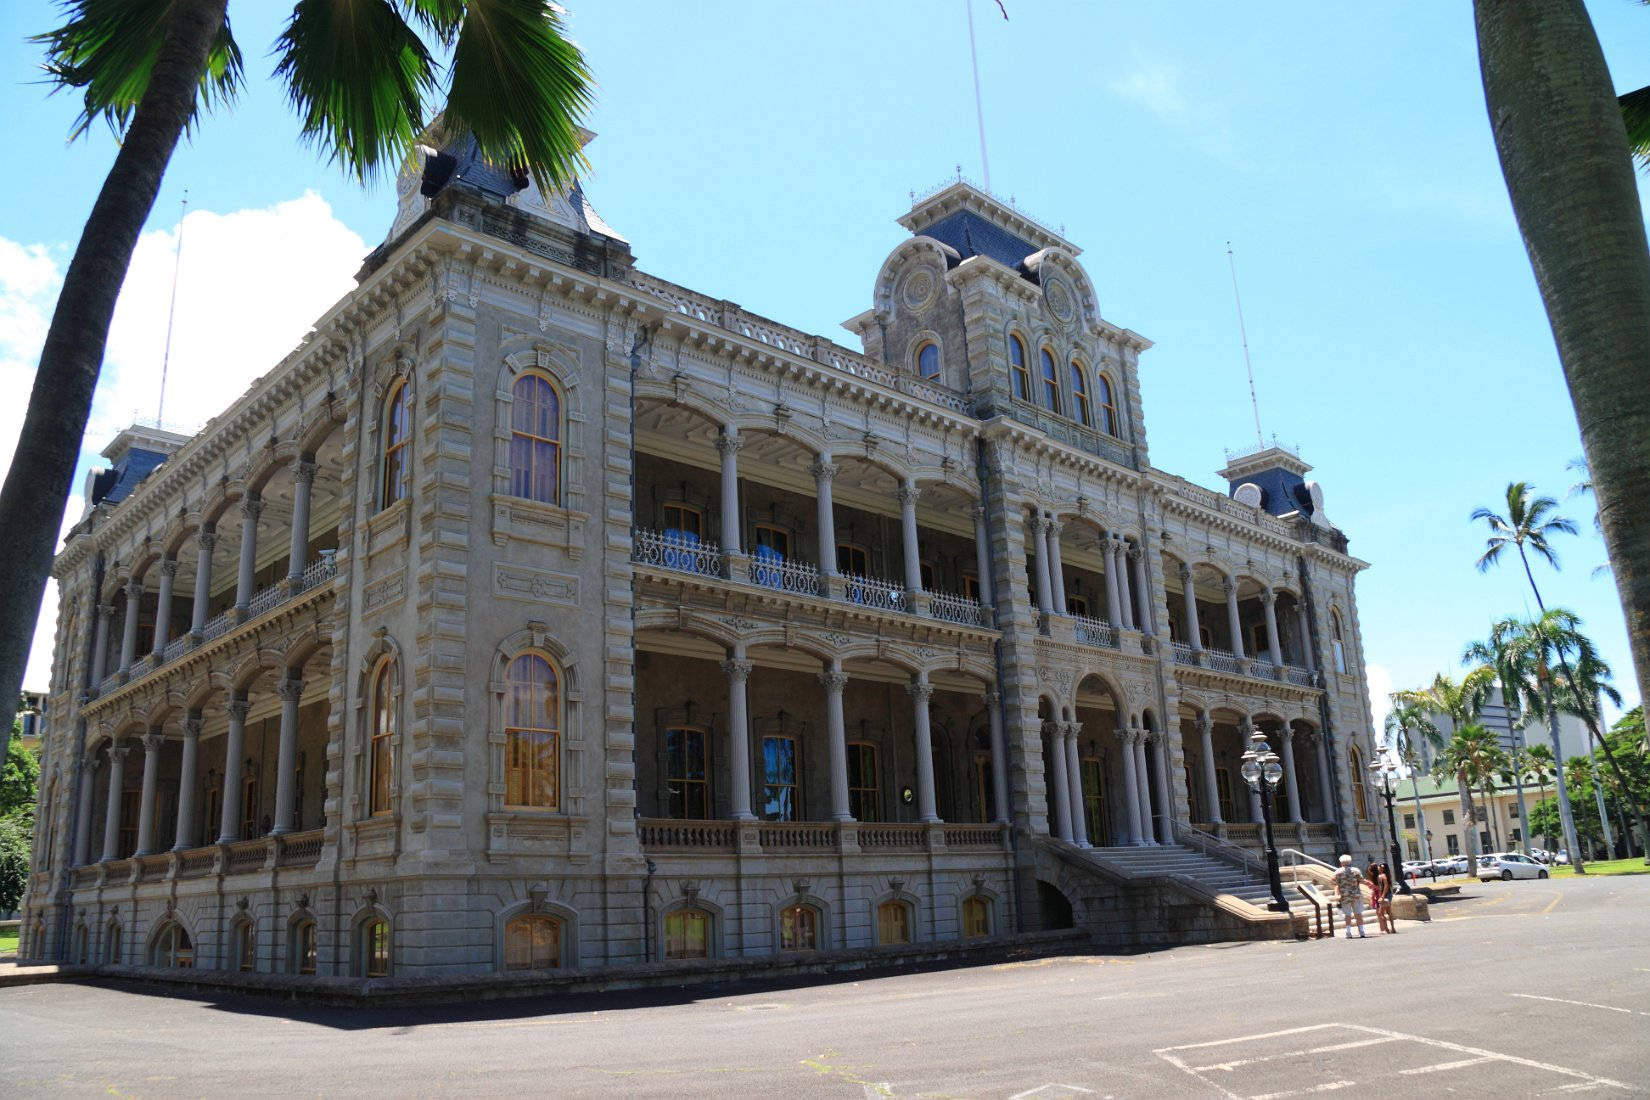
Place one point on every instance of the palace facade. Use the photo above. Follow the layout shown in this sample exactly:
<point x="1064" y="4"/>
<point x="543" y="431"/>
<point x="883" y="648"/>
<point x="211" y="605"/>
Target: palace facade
<point x="538" y="613"/>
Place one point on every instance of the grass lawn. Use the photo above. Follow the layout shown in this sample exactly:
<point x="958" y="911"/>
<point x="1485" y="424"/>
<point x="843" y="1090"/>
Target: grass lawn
<point x="1634" y="866"/>
<point x="8" y="941"/>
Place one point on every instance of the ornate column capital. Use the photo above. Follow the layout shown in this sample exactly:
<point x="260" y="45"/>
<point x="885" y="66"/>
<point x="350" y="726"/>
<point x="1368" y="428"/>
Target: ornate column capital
<point x="834" y="680"/>
<point x="1055" y="527"/>
<point x="208" y="539"/>
<point x="1134" y="551"/>
<point x="105" y="610"/>
<point x="920" y="690"/>
<point x="1185" y="572"/>
<point x="290" y="690"/>
<point x="192" y="726"/>
<point x="1228" y="586"/>
<point x="1286" y="733"/>
<point x="92" y="761"/>
<point x="979" y="513"/>
<point x="823" y="470"/>
<point x="252" y="506"/>
<point x="133" y="589"/>
<point x="729" y="444"/>
<point x="169" y="566"/>
<point x="303" y="471"/>
<point x="1125" y="735"/>
<point x="1268" y="597"/>
<point x="1205" y="724"/>
<point x="119" y="753"/>
<point x="237" y="709"/>
<point x="737" y="669"/>
<point x="992" y="698"/>
<point x="908" y="494"/>
<point x="152" y="741"/>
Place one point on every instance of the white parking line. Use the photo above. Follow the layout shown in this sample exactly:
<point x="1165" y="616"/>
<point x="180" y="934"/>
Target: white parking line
<point x="1441" y="1066"/>
<point x="1579" y="1004"/>
<point x="1329" y="1086"/>
<point x="1241" y="1062"/>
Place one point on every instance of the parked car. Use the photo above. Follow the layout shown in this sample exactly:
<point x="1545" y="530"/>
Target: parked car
<point x="1509" y="865"/>
<point x="1450" y="865"/>
<point x="1416" y="868"/>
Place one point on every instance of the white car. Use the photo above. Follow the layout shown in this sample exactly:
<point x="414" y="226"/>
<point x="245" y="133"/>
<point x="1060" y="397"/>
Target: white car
<point x="1509" y="865"/>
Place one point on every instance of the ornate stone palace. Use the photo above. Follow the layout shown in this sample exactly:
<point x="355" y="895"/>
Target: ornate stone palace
<point x="537" y="613"/>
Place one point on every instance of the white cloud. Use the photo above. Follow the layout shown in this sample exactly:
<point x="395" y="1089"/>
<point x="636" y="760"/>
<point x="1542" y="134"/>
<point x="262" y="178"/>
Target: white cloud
<point x="1380" y="687"/>
<point x="1154" y="85"/>
<point x="250" y="284"/>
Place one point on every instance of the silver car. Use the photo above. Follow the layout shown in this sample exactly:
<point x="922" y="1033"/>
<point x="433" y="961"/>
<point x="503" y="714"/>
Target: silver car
<point x="1509" y="865"/>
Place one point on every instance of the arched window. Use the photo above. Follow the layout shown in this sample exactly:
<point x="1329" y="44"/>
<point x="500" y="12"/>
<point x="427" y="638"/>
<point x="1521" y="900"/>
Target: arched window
<point x="688" y="772"/>
<point x="244" y="952"/>
<point x="799" y="928"/>
<point x="687" y="934"/>
<point x="1355" y="765"/>
<point x="535" y="440"/>
<point x="374" y="948"/>
<point x="82" y="946"/>
<point x="1337" y="641"/>
<point x="893" y="922"/>
<point x="381" y="766"/>
<point x="1019" y="375"/>
<point x="172" y="948"/>
<point x="532" y="733"/>
<point x="111" y="942"/>
<point x="1108" y="405"/>
<point x="397" y="432"/>
<point x="532" y="942"/>
<point x="37" y="939"/>
<point x="976" y="914"/>
<point x="1080" y="396"/>
<point x="301" y="947"/>
<point x="928" y="360"/>
<point x="1051" y="381"/>
<point x="864" y="793"/>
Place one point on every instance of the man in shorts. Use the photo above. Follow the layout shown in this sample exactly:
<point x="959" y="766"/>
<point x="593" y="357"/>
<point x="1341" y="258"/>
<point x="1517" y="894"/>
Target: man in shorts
<point x="1349" y="896"/>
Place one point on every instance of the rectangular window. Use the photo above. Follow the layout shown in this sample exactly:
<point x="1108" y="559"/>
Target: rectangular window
<point x="926" y="569"/>
<point x="683" y="523"/>
<point x="1094" y="801"/>
<point x="249" y="808"/>
<point x="985" y="788"/>
<point x="306" y="947"/>
<point x="1453" y="843"/>
<point x="773" y="542"/>
<point x="1517" y="836"/>
<point x="976" y="918"/>
<point x="852" y="559"/>
<point x="1449" y="817"/>
<point x="1484" y="840"/>
<point x="971" y="586"/>
<point x="798" y="929"/>
<point x="1512" y="810"/>
<point x="687" y="771"/>
<point x="779" y="779"/>
<point x="130" y="802"/>
<point x="893" y="922"/>
<point x="864" y="793"/>
<point x="1077" y="605"/>
<point x="687" y="934"/>
<point x="1223" y="790"/>
<point x="1409" y="821"/>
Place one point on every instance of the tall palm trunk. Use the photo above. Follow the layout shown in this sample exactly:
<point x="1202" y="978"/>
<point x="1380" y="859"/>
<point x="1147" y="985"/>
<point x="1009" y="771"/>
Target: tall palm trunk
<point x="1517" y="741"/>
<point x="1565" y="817"/>
<point x="42" y="472"/>
<point x="1564" y="153"/>
<point x="1465" y="790"/>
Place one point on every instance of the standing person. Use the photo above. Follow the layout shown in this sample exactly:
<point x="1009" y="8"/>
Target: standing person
<point x="1380" y="877"/>
<point x="1349" y="896"/>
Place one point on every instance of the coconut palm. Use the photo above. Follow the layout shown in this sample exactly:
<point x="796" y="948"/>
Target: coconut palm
<point x="1564" y="152"/>
<point x="1495" y="652"/>
<point x="1474" y="757"/>
<point x="1459" y="703"/>
<point x="364" y="83"/>
<point x="1539" y="765"/>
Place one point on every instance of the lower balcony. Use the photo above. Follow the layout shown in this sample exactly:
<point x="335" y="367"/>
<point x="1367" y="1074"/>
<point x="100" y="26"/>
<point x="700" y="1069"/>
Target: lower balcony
<point x="808" y="837"/>
<point x="291" y="850"/>
<point x="1255" y="668"/>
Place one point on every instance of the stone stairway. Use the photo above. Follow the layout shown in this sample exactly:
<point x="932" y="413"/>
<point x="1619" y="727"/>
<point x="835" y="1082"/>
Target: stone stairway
<point x="1213" y="874"/>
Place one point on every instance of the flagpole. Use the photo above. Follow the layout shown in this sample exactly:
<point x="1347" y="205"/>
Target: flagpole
<point x="979" y="111"/>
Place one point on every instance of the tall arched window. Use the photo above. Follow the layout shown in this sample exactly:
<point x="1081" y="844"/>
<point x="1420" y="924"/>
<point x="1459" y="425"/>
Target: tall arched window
<point x="1080" y="396"/>
<point x="799" y="928"/>
<point x="976" y="914"/>
<point x="397" y="432"/>
<point x="928" y="360"/>
<point x="172" y="948"/>
<point x="687" y="934"/>
<point x="532" y="732"/>
<point x="245" y="944"/>
<point x="535" y="440"/>
<point x="1355" y="764"/>
<point x="381" y="764"/>
<point x="301" y="958"/>
<point x="1019" y="374"/>
<point x="1108" y="406"/>
<point x="1337" y="640"/>
<point x="1051" y="381"/>
<point x="893" y="922"/>
<point x="374" y="948"/>
<point x="532" y="942"/>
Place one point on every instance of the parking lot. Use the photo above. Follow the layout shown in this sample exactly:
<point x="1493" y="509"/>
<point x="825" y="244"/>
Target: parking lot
<point x="1515" y="989"/>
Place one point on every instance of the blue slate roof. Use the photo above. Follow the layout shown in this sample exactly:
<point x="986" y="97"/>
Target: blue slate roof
<point x="972" y="235"/>
<point x="115" y="484"/>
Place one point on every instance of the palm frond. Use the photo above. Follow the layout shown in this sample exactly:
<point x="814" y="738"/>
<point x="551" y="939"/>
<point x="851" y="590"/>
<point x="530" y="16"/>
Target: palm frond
<point x="358" y="77"/>
<point x="519" y="86"/>
<point x="107" y="49"/>
<point x="1635" y="113"/>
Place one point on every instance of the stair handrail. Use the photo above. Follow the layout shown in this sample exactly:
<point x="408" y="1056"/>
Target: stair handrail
<point x="1211" y="845"/>
<point x="1297" y="857"/>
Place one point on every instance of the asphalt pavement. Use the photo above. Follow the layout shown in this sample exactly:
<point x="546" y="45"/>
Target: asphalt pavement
<point x="1515" y="989"/>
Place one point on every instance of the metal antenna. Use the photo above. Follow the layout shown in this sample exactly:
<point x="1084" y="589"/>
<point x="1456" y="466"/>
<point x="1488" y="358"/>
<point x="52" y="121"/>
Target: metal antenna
<point x="171" y="311"/>
<point x="979" y="111"/>
<point x="1243" y="335"/>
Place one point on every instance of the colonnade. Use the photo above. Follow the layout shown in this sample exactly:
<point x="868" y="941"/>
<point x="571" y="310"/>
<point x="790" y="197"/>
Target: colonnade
<point x="1284" y="738"/>
<point x="1146" y="819"/>
<point x="1234" y="620"/>
<point x="1125" y="575"/>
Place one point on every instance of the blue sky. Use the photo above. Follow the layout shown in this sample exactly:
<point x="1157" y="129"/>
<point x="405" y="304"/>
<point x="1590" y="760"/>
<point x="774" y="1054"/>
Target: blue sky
<point x="761" y="152"/>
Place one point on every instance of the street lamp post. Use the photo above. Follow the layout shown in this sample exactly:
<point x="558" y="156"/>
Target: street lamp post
<point x="1385" y="769"/>
<point x="1262" y="771"/>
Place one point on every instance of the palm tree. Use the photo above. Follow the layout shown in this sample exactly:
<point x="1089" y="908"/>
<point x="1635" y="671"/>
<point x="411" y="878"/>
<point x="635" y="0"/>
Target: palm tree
<point x="1459" y="703"/>
<point x="1474" y="757"/>
<point x="1564" y="152"/>
<point x="364" y="83"/>
<point x="1410" y="730"/>
<point x="1496" y="653"/>
<point x="1539" y="765"/>
<point x="1526" y="527"/>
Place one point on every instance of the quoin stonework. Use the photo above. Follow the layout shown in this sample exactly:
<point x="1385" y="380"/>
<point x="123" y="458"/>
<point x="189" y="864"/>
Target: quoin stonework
<point x="539" y="614"/>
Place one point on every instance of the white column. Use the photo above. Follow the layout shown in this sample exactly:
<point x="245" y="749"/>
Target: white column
<point x="1130" y="825"/>
<point x="999" y="757"/>
<point x="1165" y="801"/>
<point x="100" y="647"/>
<point x="111" y="814"/>
<point x="908" y="494"/>
<point x="1189" y="587"/>
<point x="728" y="444"/>
<point x="1039" y="542"/>
<point x="835" y="680"/>
<point x="1056" y="568"/>
<point x="1305" y="629"/>
<point x="1125" y="593"/>
<point x="1268" y="603"/>
<point x="1291" y="786"/>
<point x="1137" y="559"/>
<point x="1114" y="609"/>
<point x="1320" y="744"/>
<point x="186" y="782"/>
<point x="1233" y="621"/>
<point x="1147" y="833"/>
<point x="83" y="812"/>
<point x="128" y="638"/>
<point x="1074" y="775"/>
<point x="207" y="541"/>
<point x="234" y="759"/>
<point x="1059" y="781"/>
<point x="1211" y="786"/>
<point x="163" y="606"/>
<point x="921" y="691"/>
<point x="286" y="754"/>
<point x="823" y="473"/>
<point x="738" y="671"/>
<point x="252" y="506"/>
<point x="152" y="742"/>
<point x="303" y="484"/>
<point x="982" y="554"/>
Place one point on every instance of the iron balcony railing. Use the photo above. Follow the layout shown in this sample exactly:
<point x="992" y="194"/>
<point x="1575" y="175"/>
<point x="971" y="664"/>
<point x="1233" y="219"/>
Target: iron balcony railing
<point x="949" y="608"/>
<point x="787" y="576"/>
<point x="1090" y="631"/>
<point x="677" y="551"/>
